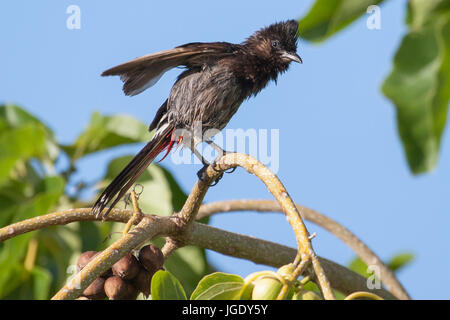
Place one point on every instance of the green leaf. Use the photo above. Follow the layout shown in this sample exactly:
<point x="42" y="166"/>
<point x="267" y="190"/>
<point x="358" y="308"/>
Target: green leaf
<point x="89" y="236"/>
<point x="12" y="276"/>
<point x="50" y="191"/>
<point x="13" y="193"/>
<point x="105" y="132"/>
<point x="326" y="17"/>
<point x="218" y="286"/>
<point x="359" y="266"/>
<point x="165" y="286"/>
<point x="59" y="249"/>
<point x="397" y="262"/>
<point x="12" y="252"/>
<point x="188" y="264"/>
<point x="400" y="261"/>
<point x="419" y="86"/>
<point x="178" y="195"/>
<point x="160" y="195"/>
<point x="246" y="291"/>
<point x="19" y="145"/>
<point x="47" y="196"/>
<point x="42" y="279"/>
<point x="419" y="10"/>
<point x="14" y="117"/>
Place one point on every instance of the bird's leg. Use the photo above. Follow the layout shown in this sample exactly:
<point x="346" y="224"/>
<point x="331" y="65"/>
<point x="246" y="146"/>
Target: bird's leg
<point x="202" y="172"/>
<point x="220" y="154"/>
<point x="200" y="157"/>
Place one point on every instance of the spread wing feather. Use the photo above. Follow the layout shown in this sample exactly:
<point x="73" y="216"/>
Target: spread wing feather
<point x="143" y="72"/>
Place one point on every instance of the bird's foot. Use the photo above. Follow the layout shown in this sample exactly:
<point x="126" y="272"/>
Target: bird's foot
<point x="201" y="174"/>
<point x="217" y="180"/>
<point x="214" y="163"/>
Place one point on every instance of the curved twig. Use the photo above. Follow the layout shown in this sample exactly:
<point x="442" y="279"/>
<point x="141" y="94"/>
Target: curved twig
<point x="60" y="218"/>
<point x="387" y="277"/>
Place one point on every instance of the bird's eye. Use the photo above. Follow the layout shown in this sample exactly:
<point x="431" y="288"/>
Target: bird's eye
<point x="275" y="43"/>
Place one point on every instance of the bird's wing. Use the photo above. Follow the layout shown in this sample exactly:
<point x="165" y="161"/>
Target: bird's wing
<point x="142" y="73"/>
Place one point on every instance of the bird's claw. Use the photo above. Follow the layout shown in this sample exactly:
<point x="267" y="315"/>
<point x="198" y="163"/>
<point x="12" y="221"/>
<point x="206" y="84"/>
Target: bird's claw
<point x="231" y="170"/>
<point x="214" y="164"/>
<point x="217" y="180"/>
<point x="201" y="174"/>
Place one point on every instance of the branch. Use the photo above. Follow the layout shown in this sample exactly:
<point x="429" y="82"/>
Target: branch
<point x="305" y="251"/>
<point x="273" y="254"/>
<point x="362" y="250"/>
<point x="179" y="228"/>
<point x="256" y="250"/>
<point x="149" y="227"/>
<point x="59" y="218"/>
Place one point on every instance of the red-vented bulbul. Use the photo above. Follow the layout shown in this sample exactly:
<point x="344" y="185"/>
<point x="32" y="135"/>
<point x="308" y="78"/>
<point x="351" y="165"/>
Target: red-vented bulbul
<point x="218" y="77"/>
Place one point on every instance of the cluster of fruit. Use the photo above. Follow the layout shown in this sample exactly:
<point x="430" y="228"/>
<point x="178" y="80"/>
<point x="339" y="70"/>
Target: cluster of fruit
<point x="127" y="277"/>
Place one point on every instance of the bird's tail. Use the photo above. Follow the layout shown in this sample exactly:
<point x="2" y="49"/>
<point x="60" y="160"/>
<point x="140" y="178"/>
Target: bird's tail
<point x="128" y="176"/>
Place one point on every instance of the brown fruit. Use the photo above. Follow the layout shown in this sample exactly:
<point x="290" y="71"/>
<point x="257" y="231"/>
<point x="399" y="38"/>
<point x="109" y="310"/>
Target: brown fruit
<point x="151" y="258"/>
<point x="95" y="291"/>
<point x="118" y="289"/>
<point x="132" y="292"/>
<point x="127" y="268"/>
<point x="142" y="282"/>
<point x="115" y="287"/>
<point x="84" y="259"/>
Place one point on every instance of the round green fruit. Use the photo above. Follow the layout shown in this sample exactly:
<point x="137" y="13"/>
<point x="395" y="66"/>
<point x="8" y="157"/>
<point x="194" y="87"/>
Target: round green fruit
<point x="266" y="289"/>
<point x="286" y="270"/>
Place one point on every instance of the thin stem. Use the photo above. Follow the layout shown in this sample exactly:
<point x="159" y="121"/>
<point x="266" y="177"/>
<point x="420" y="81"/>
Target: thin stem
<point x="137" y="213"/>
<point x="298" y="270"/>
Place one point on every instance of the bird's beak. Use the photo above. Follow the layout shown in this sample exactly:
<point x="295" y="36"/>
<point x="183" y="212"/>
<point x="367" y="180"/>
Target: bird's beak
<point x="292" y="56"/>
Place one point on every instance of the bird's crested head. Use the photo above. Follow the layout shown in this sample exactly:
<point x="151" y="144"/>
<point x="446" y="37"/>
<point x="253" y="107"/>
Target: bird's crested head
<point x="276" y="43"/>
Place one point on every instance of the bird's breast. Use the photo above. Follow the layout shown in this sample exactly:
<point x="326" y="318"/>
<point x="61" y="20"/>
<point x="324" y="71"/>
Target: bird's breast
<point x="209" y="96"/>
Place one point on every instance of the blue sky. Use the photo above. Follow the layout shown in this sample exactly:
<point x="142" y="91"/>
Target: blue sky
<point x="339" y="149"/>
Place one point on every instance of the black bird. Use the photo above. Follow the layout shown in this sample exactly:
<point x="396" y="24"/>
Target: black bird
<point x="218" y="77"/>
